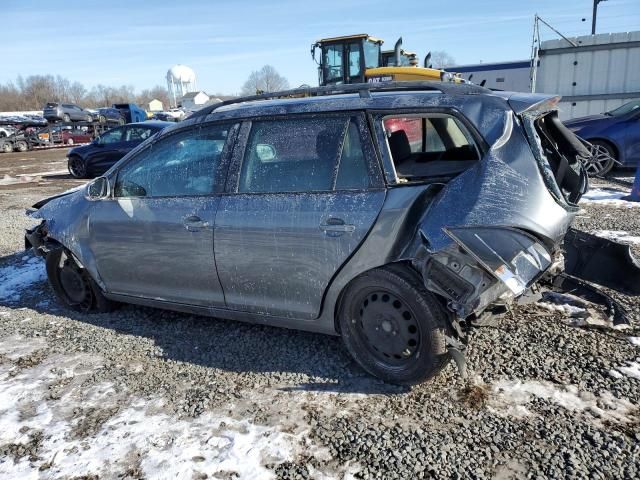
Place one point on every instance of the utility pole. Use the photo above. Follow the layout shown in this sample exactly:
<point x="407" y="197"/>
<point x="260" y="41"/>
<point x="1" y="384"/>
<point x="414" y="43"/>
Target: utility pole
<point x="595" y="14"/>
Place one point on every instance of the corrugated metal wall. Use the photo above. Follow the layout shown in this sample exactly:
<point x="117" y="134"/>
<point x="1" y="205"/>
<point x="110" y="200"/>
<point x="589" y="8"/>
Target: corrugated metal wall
<point x="600" y="74"/>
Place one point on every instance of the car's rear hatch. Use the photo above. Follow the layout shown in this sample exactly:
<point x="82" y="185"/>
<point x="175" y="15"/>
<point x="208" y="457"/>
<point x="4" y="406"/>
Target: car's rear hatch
<point x="559" y="152"/>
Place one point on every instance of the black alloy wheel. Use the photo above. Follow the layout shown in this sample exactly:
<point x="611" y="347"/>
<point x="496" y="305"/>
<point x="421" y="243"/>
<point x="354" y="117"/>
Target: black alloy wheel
<point x="77" y="167"/>
<point x="393" y="327"/>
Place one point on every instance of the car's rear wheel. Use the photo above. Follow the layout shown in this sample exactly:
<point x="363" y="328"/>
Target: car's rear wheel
<point x="77" y="167"/>
<point x="73" y="285"/>
<point x="88" y="118"/>
<point x="66" y="117"/>
<point x="22" y="146"/>
<point x="393" y="327"/>
<point x="7" y="147"/>
<point x="70" y="141"/>
<point x="603" y="161"/>
<point x="102" y="119"/>
<point x="121" y="121"/>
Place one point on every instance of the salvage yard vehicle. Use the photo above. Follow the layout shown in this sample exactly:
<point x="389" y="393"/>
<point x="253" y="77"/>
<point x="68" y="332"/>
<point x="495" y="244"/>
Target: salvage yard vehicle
<point x="65" y="112"/>
<point x="616" y="134"/>
<point x="311" y="209"/>
<point x="91" y="160"/>
<point x="109" y="115"/>
<point x="358" y="58"/>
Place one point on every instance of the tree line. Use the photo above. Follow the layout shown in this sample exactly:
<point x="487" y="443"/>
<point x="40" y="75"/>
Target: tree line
<point x="34" y="91"/>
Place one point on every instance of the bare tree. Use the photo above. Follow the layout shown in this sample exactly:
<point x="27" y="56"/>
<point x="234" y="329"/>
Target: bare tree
<point x="442" y="59"/>
<point x="267" y="79"/>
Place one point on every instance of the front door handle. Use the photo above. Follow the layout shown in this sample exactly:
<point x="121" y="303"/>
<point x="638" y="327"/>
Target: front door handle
<point x="194" y="223"/>
<point x="336" y="225"/>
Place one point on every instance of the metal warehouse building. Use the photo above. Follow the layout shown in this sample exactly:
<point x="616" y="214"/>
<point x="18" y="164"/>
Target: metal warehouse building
<point x="593" y="73"/>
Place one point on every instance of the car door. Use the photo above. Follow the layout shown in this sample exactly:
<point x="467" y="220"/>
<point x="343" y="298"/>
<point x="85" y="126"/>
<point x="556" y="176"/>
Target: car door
<point x="630" y="135"/>
<point x="154" y="237"/>
<point x="292" y="217"/>
<point x="107" y="151"/>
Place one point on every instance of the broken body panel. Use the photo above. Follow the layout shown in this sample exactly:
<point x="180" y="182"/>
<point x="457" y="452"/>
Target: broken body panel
<point x="479" y="238"/>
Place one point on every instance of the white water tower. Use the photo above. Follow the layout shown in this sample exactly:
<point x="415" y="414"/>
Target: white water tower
<point x="180" y="81"/>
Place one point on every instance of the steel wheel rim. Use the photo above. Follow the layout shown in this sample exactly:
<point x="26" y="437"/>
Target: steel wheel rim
<point x="74" y="284"/>
<point x="76" y="167"/>
<point x="387" y="326"/>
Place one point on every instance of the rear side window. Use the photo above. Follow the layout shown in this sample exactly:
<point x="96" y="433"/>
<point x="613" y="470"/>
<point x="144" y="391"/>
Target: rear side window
<point x="292" y="155"/>
<point x="183" y="164"/>
<point x="428" y="146"/>
<point x="353" y="172"/>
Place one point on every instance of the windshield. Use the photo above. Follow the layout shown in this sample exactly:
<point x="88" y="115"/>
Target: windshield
<point x="624" y="109"/>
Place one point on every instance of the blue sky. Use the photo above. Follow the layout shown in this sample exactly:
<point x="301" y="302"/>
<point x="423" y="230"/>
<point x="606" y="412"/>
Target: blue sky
<point x="134" y="42"/>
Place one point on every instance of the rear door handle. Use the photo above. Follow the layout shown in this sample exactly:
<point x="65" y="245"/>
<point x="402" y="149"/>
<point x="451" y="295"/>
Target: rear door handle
<point x="194" y="223"/>
<point x="336" y="225"/>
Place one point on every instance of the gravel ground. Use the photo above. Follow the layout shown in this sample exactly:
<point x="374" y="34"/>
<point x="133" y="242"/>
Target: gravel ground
<point x="145" y="393"/>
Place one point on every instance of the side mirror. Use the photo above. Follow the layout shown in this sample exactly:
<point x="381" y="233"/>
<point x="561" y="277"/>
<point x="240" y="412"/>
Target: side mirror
<point x="99" y="189"/>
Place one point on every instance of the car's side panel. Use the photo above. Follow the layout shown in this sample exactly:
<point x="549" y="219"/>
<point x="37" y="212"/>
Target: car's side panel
<point x="276" y="252"/>
<point x="143" y="248"/>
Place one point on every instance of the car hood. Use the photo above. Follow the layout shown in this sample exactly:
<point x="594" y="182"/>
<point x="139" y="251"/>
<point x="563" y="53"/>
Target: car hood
<point x="41" y="203"/>
<point x="584" y="120"/>
<point x="80" y="150"/>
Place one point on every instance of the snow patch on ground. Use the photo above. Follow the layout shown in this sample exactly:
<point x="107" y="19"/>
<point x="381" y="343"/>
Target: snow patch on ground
<point x="511" y="398"/>
<point x="132" y="434"/>
<point x="17" y="277"/>
<point x="634" y="341"/>
<point x="632" y="369"/>
<point x="608" y="197"/>
<point x="618" y="236"/>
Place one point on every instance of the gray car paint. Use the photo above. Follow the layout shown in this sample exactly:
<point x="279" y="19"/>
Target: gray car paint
<point x="504" y="188"/>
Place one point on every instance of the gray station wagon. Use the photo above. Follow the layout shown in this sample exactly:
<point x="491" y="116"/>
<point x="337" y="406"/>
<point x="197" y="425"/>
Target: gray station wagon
<point x="389" y="214"/>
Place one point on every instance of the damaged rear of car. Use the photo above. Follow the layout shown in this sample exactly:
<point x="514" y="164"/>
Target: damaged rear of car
<point x="389" y="214"/>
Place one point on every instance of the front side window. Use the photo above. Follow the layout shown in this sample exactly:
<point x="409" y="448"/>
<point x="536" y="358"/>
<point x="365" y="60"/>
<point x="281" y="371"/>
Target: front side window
<point x="182" y="164"/>
<point x="112" y="136"/>
<point x="332" y="62"/>
<point x="292" y="155"/>
<point x="137" y="134"/>
<point x="426" y="146"/>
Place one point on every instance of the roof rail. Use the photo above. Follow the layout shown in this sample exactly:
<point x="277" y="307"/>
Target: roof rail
<point x="363" y="89"/>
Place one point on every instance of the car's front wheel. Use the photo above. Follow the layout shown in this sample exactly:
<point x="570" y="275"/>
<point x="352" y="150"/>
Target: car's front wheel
<point x="77" y="167"/>
<point x="393" y="327"/>
<point x="603" y="161"/>
<point x="73" y="285"/>
<point x="7" y="147"/>
<point x="66" y="117"/>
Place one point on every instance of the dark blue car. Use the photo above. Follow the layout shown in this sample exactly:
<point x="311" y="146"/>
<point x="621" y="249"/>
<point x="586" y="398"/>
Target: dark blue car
<point x="99" y="156"/>
<point x="617" y="132"/>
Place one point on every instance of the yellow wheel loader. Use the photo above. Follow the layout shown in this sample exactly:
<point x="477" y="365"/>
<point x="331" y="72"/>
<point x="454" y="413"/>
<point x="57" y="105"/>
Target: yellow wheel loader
<point x="359" y="59"/>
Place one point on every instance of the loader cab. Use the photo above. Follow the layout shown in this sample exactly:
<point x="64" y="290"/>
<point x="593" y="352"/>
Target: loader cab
<point x="345" y="59"/>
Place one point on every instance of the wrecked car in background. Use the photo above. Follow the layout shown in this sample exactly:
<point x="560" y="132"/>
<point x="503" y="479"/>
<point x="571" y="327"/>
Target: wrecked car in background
<point x="317" y="212"/>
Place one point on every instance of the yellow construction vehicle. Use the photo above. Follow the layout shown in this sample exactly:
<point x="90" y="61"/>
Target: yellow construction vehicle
<point x="359" y="59"/>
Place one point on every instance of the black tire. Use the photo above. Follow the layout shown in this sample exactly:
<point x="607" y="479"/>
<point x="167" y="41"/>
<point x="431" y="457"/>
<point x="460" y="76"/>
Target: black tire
<point x="7" y="147"/>
<point x="77" y="167"/>
<point x="102" y="119"/>
<point x="22" y="146"/>
<point x="73" y="286"/>
<point x="604" y="160"/>
<point x="66" y="118"/>
<point x="393" y="327"/>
